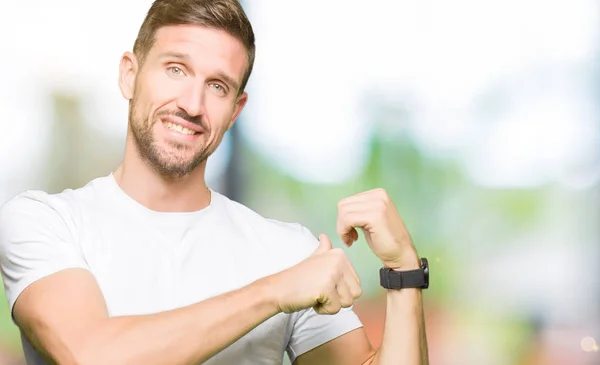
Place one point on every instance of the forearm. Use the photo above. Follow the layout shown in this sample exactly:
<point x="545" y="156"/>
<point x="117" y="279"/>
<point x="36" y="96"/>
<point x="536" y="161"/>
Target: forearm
<point x="404" y="338"/>
<point x="188" y="335"/>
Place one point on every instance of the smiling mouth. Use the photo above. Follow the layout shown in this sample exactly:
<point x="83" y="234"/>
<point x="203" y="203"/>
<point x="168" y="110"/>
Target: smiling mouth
<point x="180" y="129"/>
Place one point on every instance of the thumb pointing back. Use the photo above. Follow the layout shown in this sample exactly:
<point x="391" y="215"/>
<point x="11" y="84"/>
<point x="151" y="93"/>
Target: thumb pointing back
<point x="324" y="245"/>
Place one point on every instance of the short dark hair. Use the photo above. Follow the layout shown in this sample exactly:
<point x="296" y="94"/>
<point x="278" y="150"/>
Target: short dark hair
<point x="226" y="15"/>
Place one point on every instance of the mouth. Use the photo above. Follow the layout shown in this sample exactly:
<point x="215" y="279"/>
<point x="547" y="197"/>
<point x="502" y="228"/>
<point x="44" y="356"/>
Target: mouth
<point x="181" y="127"/>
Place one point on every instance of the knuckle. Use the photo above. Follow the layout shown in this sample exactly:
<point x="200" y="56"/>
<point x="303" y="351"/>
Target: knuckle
<point x="381" y="211"/>
<point x="340" y="259"/>
<point x="336" y="276"/>
<point x="340" y="222"/>
<point x="328" y="285"/>
<point x="342" y="217"/>
<point x="337" y="251"/>
<point x="384" y="197"/>
<point x="347" y="303"/>
<point x="334" y="310"/>
<point x="382" y="193"/>
<point x="381" y="205"/>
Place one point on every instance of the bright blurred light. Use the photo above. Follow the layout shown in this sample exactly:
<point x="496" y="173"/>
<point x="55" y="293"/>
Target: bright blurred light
<point x="75" y="47"/>
<point x="538" y="141"/>
<point x="77" y="55"/>
<point x="24" y="112"/>
<point x="306" y="109"/>
<point x="588" y="344"/>
<point x="446" y="55"/>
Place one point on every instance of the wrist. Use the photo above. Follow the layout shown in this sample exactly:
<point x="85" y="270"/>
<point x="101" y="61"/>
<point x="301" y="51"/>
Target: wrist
<point x="405" y="262"/>
<point x="267" y="289"/>
<point x="405" y="276"/>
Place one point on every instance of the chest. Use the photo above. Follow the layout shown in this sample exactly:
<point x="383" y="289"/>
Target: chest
<point x="145" y="268"/>
<point x="152" y="269"/>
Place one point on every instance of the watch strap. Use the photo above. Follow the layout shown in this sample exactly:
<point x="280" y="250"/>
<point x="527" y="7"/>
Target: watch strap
<point x="391" y="279"/>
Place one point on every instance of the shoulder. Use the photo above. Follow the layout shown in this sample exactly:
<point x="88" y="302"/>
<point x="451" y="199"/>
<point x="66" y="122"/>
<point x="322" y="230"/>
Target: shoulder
<point x="33" y="208"/>
<point x="37" y="239"/>
<point x="32" y="216"/>
<point x="30" y="205"/>
<point x="291" y="238"/>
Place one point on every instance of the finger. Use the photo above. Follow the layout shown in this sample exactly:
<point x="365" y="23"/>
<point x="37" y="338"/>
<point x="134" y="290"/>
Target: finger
<point x="352" y="279"/>
<point x="328" y="303"/>
<point x="347" y="232"/>
<point x="345" y="295"/>
<point x="346" y="226"/>
<point x="353" y="285"/>
<point x="358" y="208"/>
<point x="349" y="235"/>
<point x="350" y="271"/>
<point x="359" y="215"/>
<point x="354" y="235"/>
<point x="324" y="245"/>
<point x="370" y="195"/>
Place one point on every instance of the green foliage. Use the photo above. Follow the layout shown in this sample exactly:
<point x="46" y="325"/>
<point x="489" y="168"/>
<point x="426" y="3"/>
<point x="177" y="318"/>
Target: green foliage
<point x="9" y="333"/>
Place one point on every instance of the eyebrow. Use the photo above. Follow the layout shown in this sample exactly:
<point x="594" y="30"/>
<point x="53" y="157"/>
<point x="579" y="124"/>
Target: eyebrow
<point x="178" y="55"/>
<point x="229" y="80"/>
<point x="185" y="57"/>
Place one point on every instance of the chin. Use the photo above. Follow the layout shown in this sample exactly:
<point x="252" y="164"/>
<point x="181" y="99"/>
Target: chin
<point x="174" y="169"/>
<point x="177" y="164"/>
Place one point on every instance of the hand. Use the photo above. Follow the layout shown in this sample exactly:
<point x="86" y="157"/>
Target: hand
<point x="374" y="212"/>
<point x="325" y="281"/>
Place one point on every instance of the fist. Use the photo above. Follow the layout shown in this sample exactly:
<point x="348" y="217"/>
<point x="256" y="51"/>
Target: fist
<point x="374" y="213"/>
<point x="325" y="281"/>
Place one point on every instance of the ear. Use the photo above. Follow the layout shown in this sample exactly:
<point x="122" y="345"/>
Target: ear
<point x="239" y="105"/>
<point x="128" y="69"/>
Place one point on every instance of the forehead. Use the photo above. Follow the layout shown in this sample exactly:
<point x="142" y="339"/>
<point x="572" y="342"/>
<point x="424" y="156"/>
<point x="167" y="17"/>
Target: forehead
<point x="207" y="48"/>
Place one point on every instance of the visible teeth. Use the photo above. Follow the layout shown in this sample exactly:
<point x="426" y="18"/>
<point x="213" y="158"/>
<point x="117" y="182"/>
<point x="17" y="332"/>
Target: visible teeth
<point x="178" y="128"/>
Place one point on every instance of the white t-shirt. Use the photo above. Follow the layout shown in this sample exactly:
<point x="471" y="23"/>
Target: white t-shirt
<point x="147" y="261"/>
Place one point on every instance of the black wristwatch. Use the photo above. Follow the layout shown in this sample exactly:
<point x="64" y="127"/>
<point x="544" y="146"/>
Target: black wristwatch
<point x="419" y="278"/>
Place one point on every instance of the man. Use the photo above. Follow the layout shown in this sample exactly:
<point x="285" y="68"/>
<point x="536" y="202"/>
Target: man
<point x="149" y="266"/>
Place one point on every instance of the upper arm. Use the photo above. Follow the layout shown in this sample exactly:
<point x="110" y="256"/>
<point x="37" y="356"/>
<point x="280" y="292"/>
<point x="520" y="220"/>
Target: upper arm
<point x="314" y="333"/>
<point x="352" y="348"/>
<point x="337" y="339"/>
<point x="55" y="312"/>
<point x="52" y="295"/>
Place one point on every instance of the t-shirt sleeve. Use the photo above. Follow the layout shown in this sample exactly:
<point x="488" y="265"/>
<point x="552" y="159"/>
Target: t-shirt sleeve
<point x="311" y="329"/>
<point x="35" y="242"/>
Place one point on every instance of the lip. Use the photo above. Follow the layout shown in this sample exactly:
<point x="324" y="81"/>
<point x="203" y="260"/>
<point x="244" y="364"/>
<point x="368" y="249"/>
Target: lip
<point x="184" y="123"/>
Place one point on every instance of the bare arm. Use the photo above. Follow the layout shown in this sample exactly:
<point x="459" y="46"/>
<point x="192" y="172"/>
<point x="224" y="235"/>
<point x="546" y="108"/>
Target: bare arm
<point x="64" y="315"/>
<point x="404" y="337"/>
<point x="352" y="348"/>
<point x="79" y="331"/>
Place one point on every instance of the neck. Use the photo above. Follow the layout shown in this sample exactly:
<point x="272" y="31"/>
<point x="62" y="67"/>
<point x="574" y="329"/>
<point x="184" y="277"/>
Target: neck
<point x="181" y="194"/>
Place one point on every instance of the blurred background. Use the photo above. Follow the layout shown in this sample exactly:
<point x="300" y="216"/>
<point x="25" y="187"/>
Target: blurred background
<point x="480" y="118"/>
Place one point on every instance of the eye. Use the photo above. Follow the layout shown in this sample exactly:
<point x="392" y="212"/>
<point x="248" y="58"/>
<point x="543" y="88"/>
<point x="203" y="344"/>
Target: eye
<point x="175" y="71"/>
<point x="219" y="88"/>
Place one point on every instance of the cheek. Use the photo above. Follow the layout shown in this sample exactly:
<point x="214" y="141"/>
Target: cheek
<point x="164" y="89"/>
<point x="219" y="115"/>
<point x="220" y="112"/>
<point x="157" y="90"/>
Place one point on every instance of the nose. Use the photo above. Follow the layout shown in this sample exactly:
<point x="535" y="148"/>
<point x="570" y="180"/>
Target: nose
<point x="192" y="99"/>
